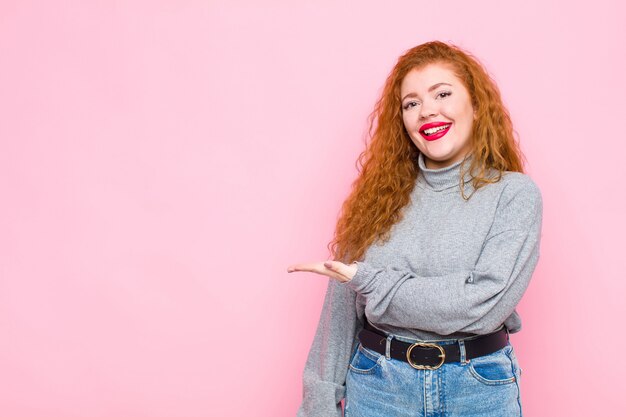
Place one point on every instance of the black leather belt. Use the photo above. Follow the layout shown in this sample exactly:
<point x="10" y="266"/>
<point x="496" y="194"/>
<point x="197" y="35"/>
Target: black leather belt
<point x="423" y="355"/>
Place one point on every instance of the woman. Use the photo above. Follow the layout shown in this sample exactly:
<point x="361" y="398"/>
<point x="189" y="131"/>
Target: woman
<point x="434" y="249"/>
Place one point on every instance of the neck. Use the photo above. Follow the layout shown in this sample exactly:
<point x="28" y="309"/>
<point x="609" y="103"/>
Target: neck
<point x="442" y="178"/>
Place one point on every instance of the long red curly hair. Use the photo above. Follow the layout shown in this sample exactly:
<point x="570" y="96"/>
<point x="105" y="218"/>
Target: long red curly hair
<point x="388" y="166"/>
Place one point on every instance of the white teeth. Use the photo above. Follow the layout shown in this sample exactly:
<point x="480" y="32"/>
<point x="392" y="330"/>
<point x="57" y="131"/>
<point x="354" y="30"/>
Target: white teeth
<point x="435" y="129"/>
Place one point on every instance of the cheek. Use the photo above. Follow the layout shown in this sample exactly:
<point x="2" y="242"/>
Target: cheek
<point x="409" y="118"/>
<point x="407" y="121"/>
<point x="467" y="112"/>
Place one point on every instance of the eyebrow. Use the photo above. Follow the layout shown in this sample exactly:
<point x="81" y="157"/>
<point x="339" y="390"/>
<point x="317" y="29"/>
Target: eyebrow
<point x="433" y="87"/>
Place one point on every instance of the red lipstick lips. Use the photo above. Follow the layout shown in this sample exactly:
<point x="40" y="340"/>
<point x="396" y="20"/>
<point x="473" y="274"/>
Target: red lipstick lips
<point x="437" y="134"/>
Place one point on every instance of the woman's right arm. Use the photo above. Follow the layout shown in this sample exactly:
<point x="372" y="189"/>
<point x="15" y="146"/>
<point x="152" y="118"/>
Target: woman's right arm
<point x="333" y="344"/>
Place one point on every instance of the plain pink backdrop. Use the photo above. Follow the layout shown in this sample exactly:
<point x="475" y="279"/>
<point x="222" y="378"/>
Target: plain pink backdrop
<point x="163" y="162"/>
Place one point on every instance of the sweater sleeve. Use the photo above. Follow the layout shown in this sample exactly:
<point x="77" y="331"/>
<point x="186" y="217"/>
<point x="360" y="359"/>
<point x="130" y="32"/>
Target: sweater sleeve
<point x="475" y="301"/>
<point x="333" y="344"/>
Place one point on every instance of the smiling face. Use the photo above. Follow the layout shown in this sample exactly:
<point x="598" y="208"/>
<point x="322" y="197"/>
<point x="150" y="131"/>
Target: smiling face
<point x="438" y="114"/>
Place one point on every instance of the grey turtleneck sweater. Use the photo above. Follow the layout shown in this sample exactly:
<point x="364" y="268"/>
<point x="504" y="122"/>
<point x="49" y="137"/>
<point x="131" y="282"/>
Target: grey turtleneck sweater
<point x="452" y="268"/>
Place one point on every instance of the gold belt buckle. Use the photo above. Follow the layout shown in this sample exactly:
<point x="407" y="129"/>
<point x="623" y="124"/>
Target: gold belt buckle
<point x="428" y="345"/>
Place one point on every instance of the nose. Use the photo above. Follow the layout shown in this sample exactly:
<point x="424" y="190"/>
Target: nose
<point x="427" y="110"/>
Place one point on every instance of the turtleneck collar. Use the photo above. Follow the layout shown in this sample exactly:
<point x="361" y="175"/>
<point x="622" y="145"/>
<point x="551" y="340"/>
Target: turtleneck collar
<point x="442" y="178"/>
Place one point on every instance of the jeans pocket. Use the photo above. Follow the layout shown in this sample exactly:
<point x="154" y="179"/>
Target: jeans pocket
<point x="365" y="361"/>
<point x="497" y="368"/>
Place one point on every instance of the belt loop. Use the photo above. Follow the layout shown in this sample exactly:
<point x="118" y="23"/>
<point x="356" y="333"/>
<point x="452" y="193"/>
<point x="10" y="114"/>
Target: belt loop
<point x="462" y="359"/>
<point x="388" y="347"/>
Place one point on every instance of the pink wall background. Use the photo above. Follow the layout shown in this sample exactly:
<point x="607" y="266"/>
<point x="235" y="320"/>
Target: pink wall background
<point x="162" y="162"/>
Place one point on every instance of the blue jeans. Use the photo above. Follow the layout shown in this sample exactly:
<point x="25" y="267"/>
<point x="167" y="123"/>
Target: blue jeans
<point x="380" y="386"/>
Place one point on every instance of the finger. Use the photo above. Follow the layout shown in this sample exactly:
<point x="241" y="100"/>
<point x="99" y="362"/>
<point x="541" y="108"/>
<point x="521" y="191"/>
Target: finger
<point x="309" y="267"/>
<point x="345" y="271"/>
<point x="318" y="268"/>
<point x="338" y="267"/>
<point x="334" y="265"/>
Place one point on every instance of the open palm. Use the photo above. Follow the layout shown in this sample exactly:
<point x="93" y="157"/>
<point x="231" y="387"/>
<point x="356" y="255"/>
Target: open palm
<point x="333" y="269"/>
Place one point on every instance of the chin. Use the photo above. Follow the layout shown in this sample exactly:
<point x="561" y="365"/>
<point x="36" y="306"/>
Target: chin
<point x="438" y="158"/>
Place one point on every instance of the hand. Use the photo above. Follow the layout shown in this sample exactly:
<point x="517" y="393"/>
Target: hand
<point x="333" y="269"/>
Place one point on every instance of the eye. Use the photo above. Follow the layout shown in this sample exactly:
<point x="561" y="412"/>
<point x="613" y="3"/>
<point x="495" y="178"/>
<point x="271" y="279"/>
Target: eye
<point x="444" y="94"/>
<point x="409" y="104"/>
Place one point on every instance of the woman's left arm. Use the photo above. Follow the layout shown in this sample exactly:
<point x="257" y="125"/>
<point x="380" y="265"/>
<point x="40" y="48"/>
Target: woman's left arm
<point x="473" y="301"/>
